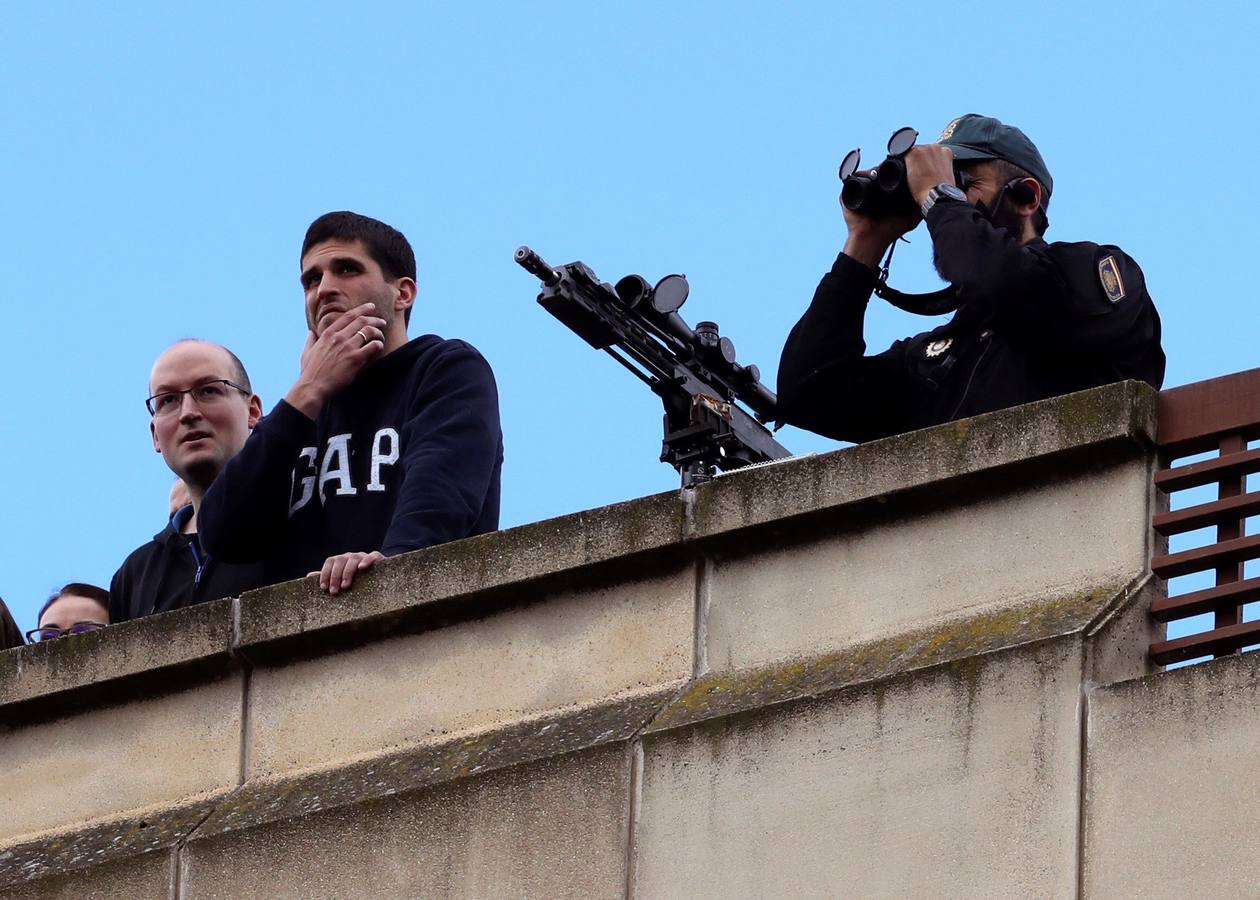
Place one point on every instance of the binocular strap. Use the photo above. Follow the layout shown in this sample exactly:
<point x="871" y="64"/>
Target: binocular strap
<point x="936" y="303"/>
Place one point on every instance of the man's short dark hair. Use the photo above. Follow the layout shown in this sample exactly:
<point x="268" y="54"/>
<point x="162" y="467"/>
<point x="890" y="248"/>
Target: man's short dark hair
<point x="79" y="589"/>
<point x="1008" y="172"/>
<point x="386" y="245"/>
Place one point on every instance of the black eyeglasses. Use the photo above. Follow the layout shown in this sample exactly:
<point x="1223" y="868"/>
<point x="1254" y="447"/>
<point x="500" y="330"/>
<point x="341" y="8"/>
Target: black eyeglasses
<point x="52" y="632"/>
<point x="169" y="402"/>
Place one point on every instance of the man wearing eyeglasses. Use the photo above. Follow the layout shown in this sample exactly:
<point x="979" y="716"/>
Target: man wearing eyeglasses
<point x="76" y="608"/>
<point x="201" y="409"/>
<point x="382" y="445"/>
<point x="1033" y="320"/>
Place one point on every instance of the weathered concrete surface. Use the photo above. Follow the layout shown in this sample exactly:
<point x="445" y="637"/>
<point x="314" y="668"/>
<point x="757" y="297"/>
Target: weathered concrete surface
<point x="481" y="575"/>
<point x="1172" y="806"/>
<point x="1118" y="420"/>
<point x="1060" y="538"/>
<point x="1117" y="641"/>
<point x="150" y="832"/>
<point x="146" y="877"/>
<point x="725" y="692"/>
<point x="265" y="800"/>
<point x="144" y="651"/>
<point x="476" y="706"/>
<point x="957" y="782"/>
<point x="167" y="750"/>
<point x="478" y="565"/>
<point x="579" y="648"/>
<point x="553" y="829"/>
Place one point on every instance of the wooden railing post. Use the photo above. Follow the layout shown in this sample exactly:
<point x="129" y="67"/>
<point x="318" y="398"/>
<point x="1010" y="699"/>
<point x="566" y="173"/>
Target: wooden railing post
<point x="1221" y="414"/>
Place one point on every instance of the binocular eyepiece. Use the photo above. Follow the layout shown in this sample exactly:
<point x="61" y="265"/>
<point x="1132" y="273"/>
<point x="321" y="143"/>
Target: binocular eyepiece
<point x="883" y="190"/>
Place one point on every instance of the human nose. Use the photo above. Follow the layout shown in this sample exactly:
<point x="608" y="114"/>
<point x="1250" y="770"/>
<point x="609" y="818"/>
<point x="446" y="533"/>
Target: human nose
<point x="328" y="285"/>
<point x="188" y="408"/>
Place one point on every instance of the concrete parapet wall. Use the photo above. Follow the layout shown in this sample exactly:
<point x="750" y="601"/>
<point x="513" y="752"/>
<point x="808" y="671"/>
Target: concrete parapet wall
<point x="1173" y="806"/>
<point x="864" y="673"/>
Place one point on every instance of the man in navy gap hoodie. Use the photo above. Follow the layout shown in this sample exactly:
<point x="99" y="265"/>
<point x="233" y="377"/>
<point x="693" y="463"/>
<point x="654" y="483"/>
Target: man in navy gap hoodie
<point x="383" y="445"/>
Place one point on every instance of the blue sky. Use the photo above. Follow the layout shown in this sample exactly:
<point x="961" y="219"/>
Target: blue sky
<point x="161" y="165"/>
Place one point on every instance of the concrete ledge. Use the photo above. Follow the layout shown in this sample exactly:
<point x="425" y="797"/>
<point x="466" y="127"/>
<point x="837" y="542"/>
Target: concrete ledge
<point x="1119" y="416"/>
<point x="129" y="659"/>
<point x="148" y="876"/>
<point x="754" y="609"/>
<point x="554" y="828"/>
<point x="964" y="639"/>
<point x="267" y="800"/>
<point x="262" y="802"/>
<point x="804" y="592"/>
<point x="30" y="865"/>
<point x="482" y="575"/>
<point x="430" y="587"/>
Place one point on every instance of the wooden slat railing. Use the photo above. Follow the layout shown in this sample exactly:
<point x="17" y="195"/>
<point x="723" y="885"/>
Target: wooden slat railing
<point x="1222" y="414"/>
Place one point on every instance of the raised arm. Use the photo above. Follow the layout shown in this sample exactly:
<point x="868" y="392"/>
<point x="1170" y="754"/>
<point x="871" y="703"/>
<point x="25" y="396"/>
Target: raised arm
<point x="826" y="382"/>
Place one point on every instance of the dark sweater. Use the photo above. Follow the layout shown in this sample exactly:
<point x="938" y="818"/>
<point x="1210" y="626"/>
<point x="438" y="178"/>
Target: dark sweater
<point x="1037" y="320"/>
<point x="408" y="456"/>
<point x="172" y="571"/>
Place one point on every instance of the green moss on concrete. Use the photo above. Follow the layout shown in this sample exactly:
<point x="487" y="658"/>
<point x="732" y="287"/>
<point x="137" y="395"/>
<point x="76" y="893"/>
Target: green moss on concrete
<point x="461" y="569"/>
<point x="130" y="650"/>
<point x="956" y="642"/>
<point x="917" y="459"/>
<point x="268" y="797"/>
<point x="100" y="842"/>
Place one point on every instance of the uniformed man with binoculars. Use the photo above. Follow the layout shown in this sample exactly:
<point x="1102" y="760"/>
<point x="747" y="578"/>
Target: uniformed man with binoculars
<point x="1030" y="320"/>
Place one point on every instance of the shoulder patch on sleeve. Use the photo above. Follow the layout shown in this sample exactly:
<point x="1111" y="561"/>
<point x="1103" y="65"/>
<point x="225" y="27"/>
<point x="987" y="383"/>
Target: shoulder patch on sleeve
<point x="1109" y="275"/>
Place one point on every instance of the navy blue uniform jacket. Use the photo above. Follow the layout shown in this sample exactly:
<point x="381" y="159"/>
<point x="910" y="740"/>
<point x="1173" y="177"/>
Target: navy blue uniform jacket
<point x="1036" y="321"/>
<point x="408" y="456"/>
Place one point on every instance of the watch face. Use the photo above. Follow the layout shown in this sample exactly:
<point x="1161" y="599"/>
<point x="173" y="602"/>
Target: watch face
<point x="951" y="191"/>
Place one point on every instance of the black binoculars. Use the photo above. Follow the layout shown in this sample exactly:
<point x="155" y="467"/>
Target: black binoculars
<point x="883" y="190"/>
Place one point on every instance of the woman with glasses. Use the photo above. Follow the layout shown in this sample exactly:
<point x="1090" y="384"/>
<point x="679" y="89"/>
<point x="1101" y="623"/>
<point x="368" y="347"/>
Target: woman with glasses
<point x="75" y="609"/>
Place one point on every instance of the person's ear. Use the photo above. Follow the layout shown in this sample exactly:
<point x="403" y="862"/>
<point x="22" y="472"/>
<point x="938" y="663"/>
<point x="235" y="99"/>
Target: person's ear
<point x="407" y="290"/>
<point x="153" y="434"/>
<point x="255" y="411"/>
<point x="1026" y="192"/>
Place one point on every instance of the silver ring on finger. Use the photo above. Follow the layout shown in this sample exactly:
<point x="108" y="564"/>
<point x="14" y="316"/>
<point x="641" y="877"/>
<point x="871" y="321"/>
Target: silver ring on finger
<point x="366" y="339"/>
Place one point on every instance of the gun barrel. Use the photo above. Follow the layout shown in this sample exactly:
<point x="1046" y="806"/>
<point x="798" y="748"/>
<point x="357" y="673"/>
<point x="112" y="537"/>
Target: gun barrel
<point x="535" y="265"/>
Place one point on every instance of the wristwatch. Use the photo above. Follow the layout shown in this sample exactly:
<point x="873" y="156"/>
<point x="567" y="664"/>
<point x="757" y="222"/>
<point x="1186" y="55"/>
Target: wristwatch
<point x="943" y="191"/>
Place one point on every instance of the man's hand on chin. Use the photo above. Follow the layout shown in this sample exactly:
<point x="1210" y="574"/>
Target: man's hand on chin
<point x="338" y="572"/>
<point x="335" y="358"/>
